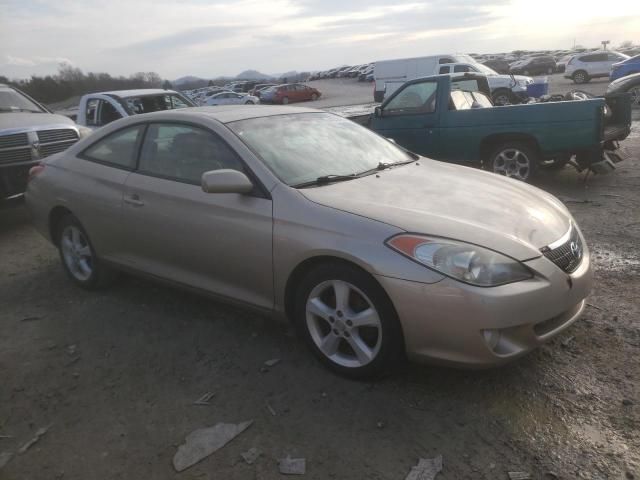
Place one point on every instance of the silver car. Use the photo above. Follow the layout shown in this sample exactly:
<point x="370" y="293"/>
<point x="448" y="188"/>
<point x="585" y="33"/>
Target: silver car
<point x="371" y="251"/>
<point x="231" y="98"/>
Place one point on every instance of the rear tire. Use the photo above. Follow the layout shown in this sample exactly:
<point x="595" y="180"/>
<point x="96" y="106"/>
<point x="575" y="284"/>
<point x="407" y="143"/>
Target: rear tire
<point x="249" y="102"/>
<point x="516" y="160"/>
<point x="580" y="77"/>
<point x="78" y="256"/>
<point x="348" y="321"/>
<point x="502" y="96"/>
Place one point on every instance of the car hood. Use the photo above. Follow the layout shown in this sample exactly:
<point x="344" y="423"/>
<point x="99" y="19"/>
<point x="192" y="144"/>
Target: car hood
<point x="456" y="202"/>
<point x="17" y="120"/>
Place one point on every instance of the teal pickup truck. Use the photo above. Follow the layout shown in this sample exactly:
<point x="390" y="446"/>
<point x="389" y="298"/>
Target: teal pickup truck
<point x="452" y="119"/>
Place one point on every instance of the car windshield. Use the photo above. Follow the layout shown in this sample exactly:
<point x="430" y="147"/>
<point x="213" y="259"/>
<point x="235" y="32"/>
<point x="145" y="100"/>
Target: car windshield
<point x="299" y="148"/>
<point x="12" y="101"/>
<point x="154" y="103"/>
<point x="484" y="69"/>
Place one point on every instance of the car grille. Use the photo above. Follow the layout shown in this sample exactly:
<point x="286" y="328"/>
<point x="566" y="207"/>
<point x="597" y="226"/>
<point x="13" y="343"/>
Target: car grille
<point x="59" y="135"/>
<point x="15" y="140"/>
<point x="568" y="255"/>
<point x="15" y="155"/>
<point x="34" y="145"/>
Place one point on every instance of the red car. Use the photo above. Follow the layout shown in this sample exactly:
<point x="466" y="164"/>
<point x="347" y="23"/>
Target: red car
<point x="294" y="92"/>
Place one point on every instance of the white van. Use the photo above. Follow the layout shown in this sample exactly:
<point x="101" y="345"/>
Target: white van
<point x="391" y="74"/>
<point x="505" y="89"/>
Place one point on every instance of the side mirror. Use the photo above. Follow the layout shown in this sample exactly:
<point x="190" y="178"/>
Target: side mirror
<point x="226" y="181"/>
<point x="377" y="112"/>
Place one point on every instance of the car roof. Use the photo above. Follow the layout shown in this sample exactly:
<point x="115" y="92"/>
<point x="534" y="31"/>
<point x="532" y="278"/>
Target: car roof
<point x="136" y="92"/>
<point x="233" y="113"/>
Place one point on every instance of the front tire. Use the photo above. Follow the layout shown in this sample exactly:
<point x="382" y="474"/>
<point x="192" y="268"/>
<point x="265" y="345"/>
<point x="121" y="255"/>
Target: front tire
<point x="348" y="321"/>
<point x="515" y="160"/>
<point x="580" y="77"/>
<point x="78" y="256"/>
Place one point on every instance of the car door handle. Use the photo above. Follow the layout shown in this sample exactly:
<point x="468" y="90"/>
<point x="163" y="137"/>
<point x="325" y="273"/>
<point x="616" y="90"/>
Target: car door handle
<point x="134" y="200"/>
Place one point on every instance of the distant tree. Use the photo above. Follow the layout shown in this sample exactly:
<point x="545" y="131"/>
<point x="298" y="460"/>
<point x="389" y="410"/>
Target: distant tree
<point x="211" y="84"/>
<point x="167" y="85"/>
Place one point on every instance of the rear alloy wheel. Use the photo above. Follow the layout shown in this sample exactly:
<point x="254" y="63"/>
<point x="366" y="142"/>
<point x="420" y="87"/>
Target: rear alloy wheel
<point x="249" y="102"/>
<point x="514" y="160"/>
<point x="78" y="256"/>
<point x="314" y="97"/>
<point x="580" y="77"/>
<point x="348" y="321"/>
<point x="635" y="96"/>
<point x="285" y="100"/>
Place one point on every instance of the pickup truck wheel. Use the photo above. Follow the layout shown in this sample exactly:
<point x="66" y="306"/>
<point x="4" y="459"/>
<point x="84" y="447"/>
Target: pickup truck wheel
<point x="78" y="256"/>
<point x="514" y="160"/>
<point x="502" y="96"/>
<point x="580" y="77"/>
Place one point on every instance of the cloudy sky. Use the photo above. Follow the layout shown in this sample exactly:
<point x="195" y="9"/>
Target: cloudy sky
<point x="223" y="37"/>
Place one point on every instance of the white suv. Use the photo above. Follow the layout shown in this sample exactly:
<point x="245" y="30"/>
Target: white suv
<point x="585" y="66"/>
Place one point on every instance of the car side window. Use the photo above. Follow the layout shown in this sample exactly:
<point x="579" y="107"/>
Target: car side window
<point x="446" y="60"/>
<point x="92" y="110"/>
<point x="444" y="70"/>
<point x="415" y="98"/>
<point x="461" y="68"/>
<point x="117" y="150"/>
<point x="184" y="152"/>
<point x="107" y="113"/>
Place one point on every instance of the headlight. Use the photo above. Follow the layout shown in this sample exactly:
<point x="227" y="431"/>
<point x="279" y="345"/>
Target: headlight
<point x="462" y="261"/>
<point x="84" y="131"/>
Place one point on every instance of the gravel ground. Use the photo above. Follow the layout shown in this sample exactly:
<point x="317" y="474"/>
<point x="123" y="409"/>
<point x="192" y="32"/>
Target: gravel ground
<point x="114" y="375"/>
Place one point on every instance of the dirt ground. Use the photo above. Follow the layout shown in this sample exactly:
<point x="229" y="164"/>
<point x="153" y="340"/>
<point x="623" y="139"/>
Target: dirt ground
<point x="114" y="376"/>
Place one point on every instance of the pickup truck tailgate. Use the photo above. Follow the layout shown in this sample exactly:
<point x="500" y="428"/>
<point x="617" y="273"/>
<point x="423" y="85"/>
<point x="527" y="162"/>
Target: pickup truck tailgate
<point x="618" y="125"/>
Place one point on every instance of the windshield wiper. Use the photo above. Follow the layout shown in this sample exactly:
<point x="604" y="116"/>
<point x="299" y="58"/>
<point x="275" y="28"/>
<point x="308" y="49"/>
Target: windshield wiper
<point x="384" y="166"/>
<point x="326" y="179"/>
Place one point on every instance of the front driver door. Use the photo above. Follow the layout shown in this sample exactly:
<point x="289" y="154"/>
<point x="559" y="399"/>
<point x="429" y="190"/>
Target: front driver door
<point x="410" y="118"/>
<point x="217" y="242"/>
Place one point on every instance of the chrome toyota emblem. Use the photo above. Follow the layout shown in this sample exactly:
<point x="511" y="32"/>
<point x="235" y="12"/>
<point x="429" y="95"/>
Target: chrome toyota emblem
<point x="575" y="249"/>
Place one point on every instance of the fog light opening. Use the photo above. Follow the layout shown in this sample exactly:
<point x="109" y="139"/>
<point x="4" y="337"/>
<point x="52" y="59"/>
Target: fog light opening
<point x="492" y="338"/>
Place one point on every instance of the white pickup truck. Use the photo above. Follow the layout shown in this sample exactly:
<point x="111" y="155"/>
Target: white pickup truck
<point x="98" y="109"/>
<point x="392" y="74"/>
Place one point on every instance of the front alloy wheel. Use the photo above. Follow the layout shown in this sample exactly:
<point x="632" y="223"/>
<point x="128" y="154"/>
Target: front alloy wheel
<point x="343" y="323"/>
<point x="348" y="321"/>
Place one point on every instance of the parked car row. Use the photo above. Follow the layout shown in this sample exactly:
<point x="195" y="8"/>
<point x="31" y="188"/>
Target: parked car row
<point x="362" y="72"/>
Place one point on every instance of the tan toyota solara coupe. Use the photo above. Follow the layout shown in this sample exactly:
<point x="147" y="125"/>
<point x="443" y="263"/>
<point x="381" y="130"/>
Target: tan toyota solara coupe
<point x="373" y="252"/>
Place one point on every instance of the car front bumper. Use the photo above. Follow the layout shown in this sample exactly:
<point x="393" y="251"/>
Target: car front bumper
<point x="456" y="324"/>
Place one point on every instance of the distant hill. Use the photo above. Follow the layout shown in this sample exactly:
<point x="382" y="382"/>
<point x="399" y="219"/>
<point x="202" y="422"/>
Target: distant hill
<point x="188" y="79"/>
<point x="253" y="75"/>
